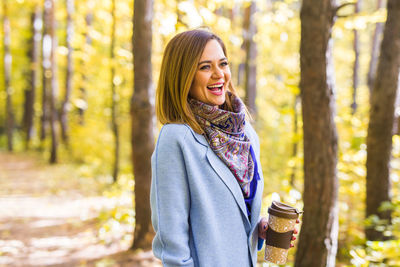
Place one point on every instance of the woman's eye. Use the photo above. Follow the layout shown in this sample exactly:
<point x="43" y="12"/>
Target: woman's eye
<point x="225" y="63"/>
<point x="205" y="67"/>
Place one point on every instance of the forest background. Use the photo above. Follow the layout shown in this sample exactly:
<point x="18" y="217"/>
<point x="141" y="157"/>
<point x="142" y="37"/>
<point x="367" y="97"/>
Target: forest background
<point x="71" y="103"/>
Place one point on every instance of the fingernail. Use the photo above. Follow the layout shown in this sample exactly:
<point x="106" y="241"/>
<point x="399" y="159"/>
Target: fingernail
<point x="265" y="227"/>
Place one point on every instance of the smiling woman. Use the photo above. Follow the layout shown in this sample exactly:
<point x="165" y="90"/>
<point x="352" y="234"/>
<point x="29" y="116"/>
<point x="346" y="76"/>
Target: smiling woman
<point x="206" y="182"/>
<point x="212" y="76"/>
<point x="194" y="62"/>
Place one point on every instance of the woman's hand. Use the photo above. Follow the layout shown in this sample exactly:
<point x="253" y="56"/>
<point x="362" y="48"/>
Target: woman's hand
<point x="263" y="227"/>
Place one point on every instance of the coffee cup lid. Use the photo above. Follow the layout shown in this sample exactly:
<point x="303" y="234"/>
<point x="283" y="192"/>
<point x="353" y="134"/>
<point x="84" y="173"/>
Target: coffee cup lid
<point x="282" y="210"/>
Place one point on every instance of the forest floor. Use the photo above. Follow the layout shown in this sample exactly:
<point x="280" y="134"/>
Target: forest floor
<point x="50" y="217"/>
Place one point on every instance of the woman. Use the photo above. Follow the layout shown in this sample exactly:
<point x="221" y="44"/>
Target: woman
<point x="206" y="179"/>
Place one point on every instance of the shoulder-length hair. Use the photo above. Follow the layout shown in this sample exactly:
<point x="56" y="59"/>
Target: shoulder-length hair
<point x="178" y="68"/>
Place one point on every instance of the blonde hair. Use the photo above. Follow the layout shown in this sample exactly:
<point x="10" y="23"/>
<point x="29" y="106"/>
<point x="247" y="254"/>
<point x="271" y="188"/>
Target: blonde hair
<point x="178" y="69"/>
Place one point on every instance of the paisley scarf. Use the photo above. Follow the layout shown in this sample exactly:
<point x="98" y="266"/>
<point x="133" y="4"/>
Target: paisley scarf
<point x="224" y="132"/>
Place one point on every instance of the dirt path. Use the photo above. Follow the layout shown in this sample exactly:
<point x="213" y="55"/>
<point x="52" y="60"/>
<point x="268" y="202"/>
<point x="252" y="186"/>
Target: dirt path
<point x="49" y="217"/>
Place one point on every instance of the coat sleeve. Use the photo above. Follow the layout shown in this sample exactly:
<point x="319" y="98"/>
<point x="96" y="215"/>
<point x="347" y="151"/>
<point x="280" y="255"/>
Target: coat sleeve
<point x="170" y="200"/>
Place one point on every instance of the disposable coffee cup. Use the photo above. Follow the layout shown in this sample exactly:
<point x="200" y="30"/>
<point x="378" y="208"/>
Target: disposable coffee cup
<point x="281" y="222"/>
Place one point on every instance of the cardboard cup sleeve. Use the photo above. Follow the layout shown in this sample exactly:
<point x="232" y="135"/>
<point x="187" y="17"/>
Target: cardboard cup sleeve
<point x="281" y="223"/>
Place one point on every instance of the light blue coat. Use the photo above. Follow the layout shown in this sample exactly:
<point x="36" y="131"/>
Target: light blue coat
<point x="198" y="210"/>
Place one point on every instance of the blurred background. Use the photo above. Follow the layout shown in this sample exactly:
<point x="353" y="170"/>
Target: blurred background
<point x="73" y="97"/>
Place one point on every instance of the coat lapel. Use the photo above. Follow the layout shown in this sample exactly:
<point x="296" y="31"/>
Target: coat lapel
<point x="229" y="180"/>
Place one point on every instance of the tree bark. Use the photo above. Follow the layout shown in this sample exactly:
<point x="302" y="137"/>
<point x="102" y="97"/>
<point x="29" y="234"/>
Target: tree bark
<point x="30" y="92"/>
<point x="318" y="236"/>
<point x="250" y="47"/>
<point x="114" y="96"/>
<point x="70" y="69"/>
<point x="376" y="41"/>
<point x="295" y="139"/>
<point x="142" y="121"/>
<point x="49" y="64"/>
<point x="82" y="89"/>
<point x="356" y="47"/>
<point x="380" y="127"/>
<point x="46" y="73"/>
<point x="7" y="77"/>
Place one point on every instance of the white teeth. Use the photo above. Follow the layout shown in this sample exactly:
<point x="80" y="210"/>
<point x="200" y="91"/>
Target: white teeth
<point x="215" y="86"/>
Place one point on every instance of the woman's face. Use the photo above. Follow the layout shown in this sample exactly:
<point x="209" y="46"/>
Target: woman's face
<point x="212" y="76"/>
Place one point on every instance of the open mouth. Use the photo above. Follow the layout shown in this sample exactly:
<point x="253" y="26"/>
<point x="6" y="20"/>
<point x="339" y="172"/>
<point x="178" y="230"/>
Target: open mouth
<point x="218" y="87"/>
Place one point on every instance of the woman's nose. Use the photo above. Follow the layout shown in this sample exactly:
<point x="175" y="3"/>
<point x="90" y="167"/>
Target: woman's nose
<point x="218" y="73"/>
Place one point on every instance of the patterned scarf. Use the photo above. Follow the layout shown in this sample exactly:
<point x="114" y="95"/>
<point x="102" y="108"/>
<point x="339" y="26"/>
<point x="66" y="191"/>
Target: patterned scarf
<point x="224" y="132"/>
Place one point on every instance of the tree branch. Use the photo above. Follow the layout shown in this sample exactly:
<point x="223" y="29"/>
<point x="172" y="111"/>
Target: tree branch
<point x="336" y="9"/>
<point x="344" y="16"/>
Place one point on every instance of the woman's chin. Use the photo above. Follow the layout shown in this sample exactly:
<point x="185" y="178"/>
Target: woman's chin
<point x="218" y="102"/>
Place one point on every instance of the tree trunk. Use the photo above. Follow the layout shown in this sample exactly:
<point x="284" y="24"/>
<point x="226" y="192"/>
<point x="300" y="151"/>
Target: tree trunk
<point x="380" y="127"/>
<point x="46" y="73"/>
<point x="295" y="139"/>
<point x="44" y="118"/>
<point x="68" y="81"/>
<point x="249" y="30"/>
<point x="318" y="236"/>
<point x="376" y="41"/>
<point x="30" y="92"/>
<point x="7" y="76"/>
<point x="82" y="89"/>
<point x="49" y="64"/>
<point x="356" y="47"/>
<point x="114" y="96"/>
<point x="142" y="121"/>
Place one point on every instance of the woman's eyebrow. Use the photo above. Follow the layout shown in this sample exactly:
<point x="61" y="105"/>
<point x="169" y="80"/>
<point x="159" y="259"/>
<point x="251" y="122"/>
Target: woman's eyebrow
<point x="209" y="61"/>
